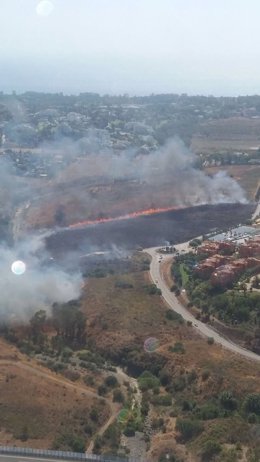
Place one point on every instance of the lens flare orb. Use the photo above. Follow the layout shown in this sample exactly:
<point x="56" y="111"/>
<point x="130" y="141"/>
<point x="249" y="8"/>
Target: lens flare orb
<point x="151" y="344"/>
<point x="44" y="8"/>
<point x="123" y="416"/>
<point x="18" y="267"/>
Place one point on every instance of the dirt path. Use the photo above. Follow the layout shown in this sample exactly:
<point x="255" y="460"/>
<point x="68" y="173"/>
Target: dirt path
<point x="41" y="373"/>
<point x="137" y="399"/>
<point x="38" y="370"/>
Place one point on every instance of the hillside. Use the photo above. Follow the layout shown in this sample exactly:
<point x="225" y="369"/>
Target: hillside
<point x="40" y="408"/>
<point x="196" y="375"/>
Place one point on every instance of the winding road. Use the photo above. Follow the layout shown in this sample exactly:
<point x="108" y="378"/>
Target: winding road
<point x="171" y="299"/>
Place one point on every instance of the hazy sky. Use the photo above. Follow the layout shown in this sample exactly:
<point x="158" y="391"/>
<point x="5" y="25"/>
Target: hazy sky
<point x="131" y="46"/>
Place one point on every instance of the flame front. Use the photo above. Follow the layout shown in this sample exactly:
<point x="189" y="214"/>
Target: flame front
<point x="140" y="213"/>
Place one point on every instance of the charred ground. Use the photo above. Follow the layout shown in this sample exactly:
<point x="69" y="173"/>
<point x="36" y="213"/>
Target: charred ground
<point x="176" y="226"/>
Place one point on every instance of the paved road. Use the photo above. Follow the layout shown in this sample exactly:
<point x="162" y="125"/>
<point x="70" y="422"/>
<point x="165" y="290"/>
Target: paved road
<point x="174" y="303"/>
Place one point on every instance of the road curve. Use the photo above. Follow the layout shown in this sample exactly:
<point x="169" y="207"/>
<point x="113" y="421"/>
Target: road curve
<point x="174" y="303"/>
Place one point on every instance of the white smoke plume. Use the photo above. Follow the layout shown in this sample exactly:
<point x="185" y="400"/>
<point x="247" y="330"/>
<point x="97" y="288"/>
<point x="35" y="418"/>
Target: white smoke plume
<point x="175" y="164"/>
<point x="42" y="284"/>
<point x="39" y="287"/>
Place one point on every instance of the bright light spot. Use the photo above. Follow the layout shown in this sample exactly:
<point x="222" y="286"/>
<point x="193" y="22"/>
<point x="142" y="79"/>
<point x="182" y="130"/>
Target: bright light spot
<point x="18" y="267"/>
<point x="44" y="8"/>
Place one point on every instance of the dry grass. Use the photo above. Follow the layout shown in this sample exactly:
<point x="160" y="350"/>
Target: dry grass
<point x="131" y="315"/>
<point x="40" y="403"/>
<point x="118" y="317"/>
<point x="234" y="133"/>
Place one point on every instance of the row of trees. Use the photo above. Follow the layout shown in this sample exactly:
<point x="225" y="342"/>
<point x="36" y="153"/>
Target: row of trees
<point x="68" y="321"/>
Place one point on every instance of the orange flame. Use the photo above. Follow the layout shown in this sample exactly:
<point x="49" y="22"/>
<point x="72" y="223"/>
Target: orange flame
<point x="140" y="213"/>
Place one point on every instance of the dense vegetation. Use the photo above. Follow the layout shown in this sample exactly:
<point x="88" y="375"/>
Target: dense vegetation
<point x="210" y="409"/>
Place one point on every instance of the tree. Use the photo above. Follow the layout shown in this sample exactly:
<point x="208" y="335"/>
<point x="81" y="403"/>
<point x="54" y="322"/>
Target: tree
<point x="69" y="322"/>
<point x="37" y="323"/>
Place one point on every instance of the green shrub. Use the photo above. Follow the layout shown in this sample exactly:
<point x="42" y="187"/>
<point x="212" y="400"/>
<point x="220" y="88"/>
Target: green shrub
<point x="188" y="405"/>
<point x="252" y="403"/>
<point x="78" y="444"/>
<point x="71" y="375"/>
<point x="88" y="429"/>
<point x="147" y="381"/>
<point x="111" y="381"/>
<point x="66" y="353"/>
<point x="205" y="374"/>
<point x="69" y="442"/>
<point x="179" y="383"/>
<point x="178" y="347"/>
<point x="84" y="355"/>
<point x="58" y="367"/>
<point x="208" y="412"/>
<point x="210" y="340"/>
<point x="129" y="431"/>
<point x="210" y="449"/>
<point x="228" y="401"/>
<point x="252" y="418"/>
<point x="88" y="379"/>
<point x="165" y="377"/>
<point x="94" y="414"/>
<point x="102" y="390"/>
<point x="118" y="396"/>
<point x="191" y="376"/>
<point x="156" y="391"/>
<point x="157" y="423"/>
<point x="162" y="400"/>
<point x="188" y="428"/>
<point x="112" y="436"/>
<point x="97" y="444"/>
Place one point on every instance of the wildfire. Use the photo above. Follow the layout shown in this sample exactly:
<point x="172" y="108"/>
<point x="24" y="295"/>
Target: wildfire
<point x="139" y="213"/>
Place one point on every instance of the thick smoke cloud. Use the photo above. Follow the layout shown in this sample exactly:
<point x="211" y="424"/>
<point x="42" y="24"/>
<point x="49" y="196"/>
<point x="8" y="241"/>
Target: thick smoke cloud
<point x="43" y="284"/>
<point x="175" y="164"/>
<point x="40" y="286"/>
